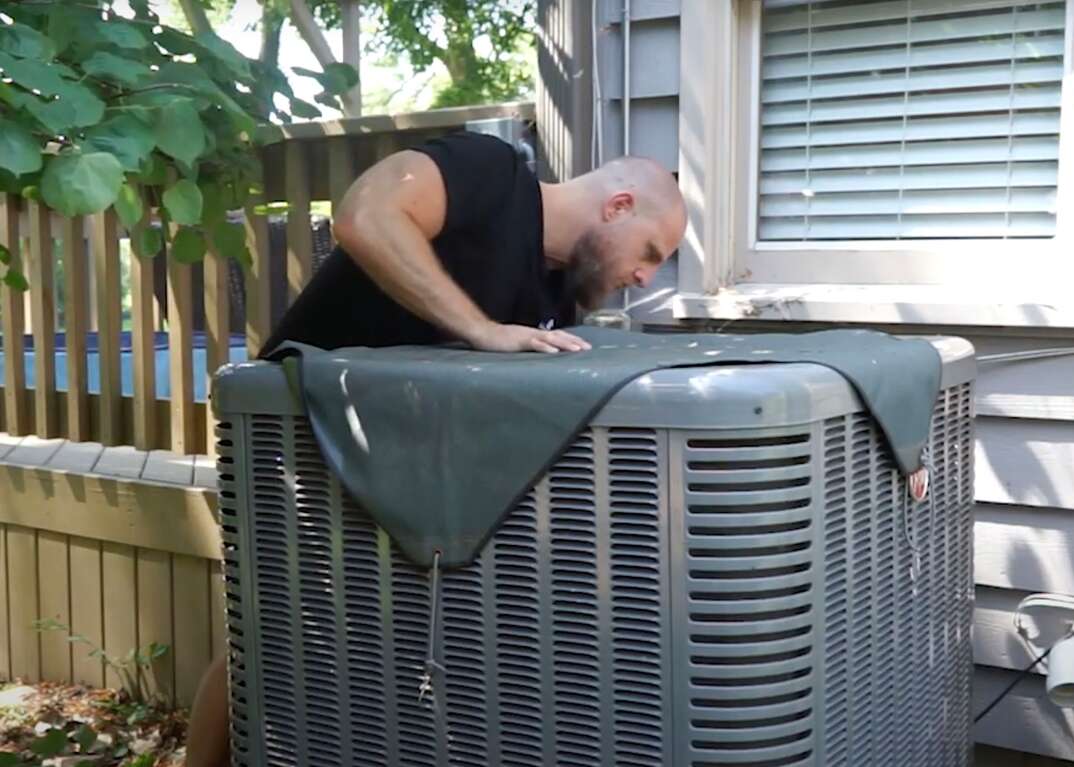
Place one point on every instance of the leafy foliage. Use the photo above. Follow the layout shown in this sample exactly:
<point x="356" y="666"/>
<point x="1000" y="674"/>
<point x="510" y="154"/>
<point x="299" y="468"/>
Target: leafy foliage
<point x="131" y="667"/>
<point x="427" y="31"/>
<point x="100" y="111"/>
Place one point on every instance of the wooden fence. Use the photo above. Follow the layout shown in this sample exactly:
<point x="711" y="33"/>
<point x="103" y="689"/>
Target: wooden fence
<point x="308" y="162"/>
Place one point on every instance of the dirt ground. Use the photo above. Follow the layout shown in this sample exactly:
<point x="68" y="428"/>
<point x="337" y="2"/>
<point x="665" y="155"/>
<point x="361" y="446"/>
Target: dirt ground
<point x="57" y="725"/>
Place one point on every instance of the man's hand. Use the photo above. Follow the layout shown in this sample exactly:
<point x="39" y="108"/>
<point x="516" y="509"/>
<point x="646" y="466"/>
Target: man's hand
<point x="494" y="337"/>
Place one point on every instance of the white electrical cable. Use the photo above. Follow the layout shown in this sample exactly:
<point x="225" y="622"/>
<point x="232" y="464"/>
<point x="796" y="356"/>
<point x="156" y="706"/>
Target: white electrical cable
<point x="1055" y="601"/>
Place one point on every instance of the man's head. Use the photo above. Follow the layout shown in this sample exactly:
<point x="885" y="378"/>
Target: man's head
<point x="636" y="218"/>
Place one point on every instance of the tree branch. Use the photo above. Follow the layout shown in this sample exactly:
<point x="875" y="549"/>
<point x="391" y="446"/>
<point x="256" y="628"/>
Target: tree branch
<point x="351" y="11"/>
<point x="311" y="33"/>
<point x="271" y="26"/>
<point x="195" y="16"/>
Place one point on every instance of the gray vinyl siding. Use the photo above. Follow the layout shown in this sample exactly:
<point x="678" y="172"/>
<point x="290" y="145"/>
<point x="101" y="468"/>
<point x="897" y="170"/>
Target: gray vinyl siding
<point x="654" y="78"/>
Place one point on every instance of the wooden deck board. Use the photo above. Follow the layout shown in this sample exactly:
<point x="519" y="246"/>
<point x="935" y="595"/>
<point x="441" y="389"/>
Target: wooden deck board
<point x="33" y="451"/>
<point x="8" y="442"/>
<point x="124" y="461"/>
<point x="76" y="456"/>
<point x="204" y="471"/>
<point x="165" y="466"/>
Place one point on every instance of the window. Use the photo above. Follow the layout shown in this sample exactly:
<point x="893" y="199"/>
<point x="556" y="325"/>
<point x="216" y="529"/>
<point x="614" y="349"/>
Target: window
<point x="878" y="160"/>
<point x="909" y="119"/>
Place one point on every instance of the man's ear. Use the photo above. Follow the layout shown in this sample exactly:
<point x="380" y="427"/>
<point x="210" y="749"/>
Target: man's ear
<point x="619" y="204"/>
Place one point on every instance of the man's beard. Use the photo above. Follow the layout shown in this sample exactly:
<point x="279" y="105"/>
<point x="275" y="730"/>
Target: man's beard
<point x="585" y="273"/>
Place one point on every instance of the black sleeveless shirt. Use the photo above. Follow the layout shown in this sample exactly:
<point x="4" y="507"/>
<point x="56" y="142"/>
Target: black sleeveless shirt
<point x="491" y="245"/>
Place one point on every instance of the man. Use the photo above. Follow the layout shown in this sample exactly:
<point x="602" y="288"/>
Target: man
<point x="456" y="240"/>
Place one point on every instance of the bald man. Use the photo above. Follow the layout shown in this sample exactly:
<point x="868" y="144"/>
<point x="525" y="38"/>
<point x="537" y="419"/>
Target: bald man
<point x="456" y="240"/>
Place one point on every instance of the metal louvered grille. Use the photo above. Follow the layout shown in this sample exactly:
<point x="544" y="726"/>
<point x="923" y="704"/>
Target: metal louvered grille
<point x="243" y="679"/>
<point x="748" y="608"/>
<point x="276" y="632"/>
<point x="641" y="648"/>
<point x="528" y="637"/>
<point x="897" y="596"/>
<point x="753" y="604"/>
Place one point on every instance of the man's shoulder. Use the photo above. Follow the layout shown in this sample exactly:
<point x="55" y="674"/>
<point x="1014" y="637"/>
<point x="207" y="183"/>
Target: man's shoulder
<point x="468" y="147"/>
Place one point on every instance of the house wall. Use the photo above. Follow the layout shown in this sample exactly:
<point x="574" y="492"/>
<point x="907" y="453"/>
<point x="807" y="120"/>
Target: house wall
<point x="1024" y="533"/>
<point x="565" y="98"/>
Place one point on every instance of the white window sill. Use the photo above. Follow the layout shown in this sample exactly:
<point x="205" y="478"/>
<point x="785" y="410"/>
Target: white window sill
<point x="874" y="304"/>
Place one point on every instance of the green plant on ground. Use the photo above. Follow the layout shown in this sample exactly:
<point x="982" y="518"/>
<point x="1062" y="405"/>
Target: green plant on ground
<point x="54" y="742"/>
<point x="132" y="668"/>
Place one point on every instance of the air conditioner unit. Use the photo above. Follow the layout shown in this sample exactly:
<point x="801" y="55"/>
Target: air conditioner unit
<point x="725" y="568"/>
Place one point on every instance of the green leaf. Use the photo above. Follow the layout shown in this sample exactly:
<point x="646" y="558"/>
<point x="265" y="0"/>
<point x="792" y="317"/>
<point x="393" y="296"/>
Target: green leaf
<point x="235" y="62"/>
<point x="326" y="98"/>
<point x="143" y="114"/>
<point x="140" y="8"/>
<point x="48" y="624"/>
<point x="156" y="649"/>
<point x="16" y="281"/>
<point x="193" y="77"/>
<point x="121" y="34"/>
<point x="88" y="108"/>
<point x="50" y="744"/>
<point x="188" y="247"/>
<point x="80" y="184"/>
<point x="154" y="171"/>
<point x="57" y="116"/>
<point x="5" y="254"/>
<point x="340" y="77"/>
<point x="236" y="193"/>
<point x="337" y="78"/>
<point x="12" y="96"/>
<point x="300" y="108"/>
<point x="10" y="183"/>
<point x="129" y="206"/>
<point x="147" y="242"/>
<point x="125" y="137"/>
<point x="33" y="75"/>
<point x="19" y="151"/>
<point x="26" y="42"/>
<point x="179" y="132"/>
<point x="8" y="759"/>
<point x="230" y="242"/>
<point x="183" y="201"/>
<point x="86" y="738"/>
<point x="213" y="210"/>
<point x="63" y="27"/>
<point x="116" y="68"/>
<point x="177" y="42"/>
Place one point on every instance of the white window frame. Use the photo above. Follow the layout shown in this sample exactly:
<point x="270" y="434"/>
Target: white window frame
<point x="725" y="273"/>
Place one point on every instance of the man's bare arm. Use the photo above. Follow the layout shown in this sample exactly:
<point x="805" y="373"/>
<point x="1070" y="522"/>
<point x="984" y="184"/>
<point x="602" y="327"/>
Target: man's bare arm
<point x="386" y="222"/>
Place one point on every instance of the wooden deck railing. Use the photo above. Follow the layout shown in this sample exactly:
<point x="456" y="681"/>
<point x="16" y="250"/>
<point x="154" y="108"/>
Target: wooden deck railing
<point x="309" y="162"/>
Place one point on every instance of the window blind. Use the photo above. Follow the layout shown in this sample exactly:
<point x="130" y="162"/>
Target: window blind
<point x="909" y="119"/>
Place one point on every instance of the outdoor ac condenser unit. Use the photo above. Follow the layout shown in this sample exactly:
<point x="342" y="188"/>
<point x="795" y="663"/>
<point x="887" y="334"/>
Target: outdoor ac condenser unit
<point x="725" y="568"/>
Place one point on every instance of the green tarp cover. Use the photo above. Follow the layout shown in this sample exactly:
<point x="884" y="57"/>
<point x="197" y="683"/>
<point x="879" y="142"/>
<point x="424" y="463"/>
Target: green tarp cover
<point x="439" y="444"/>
